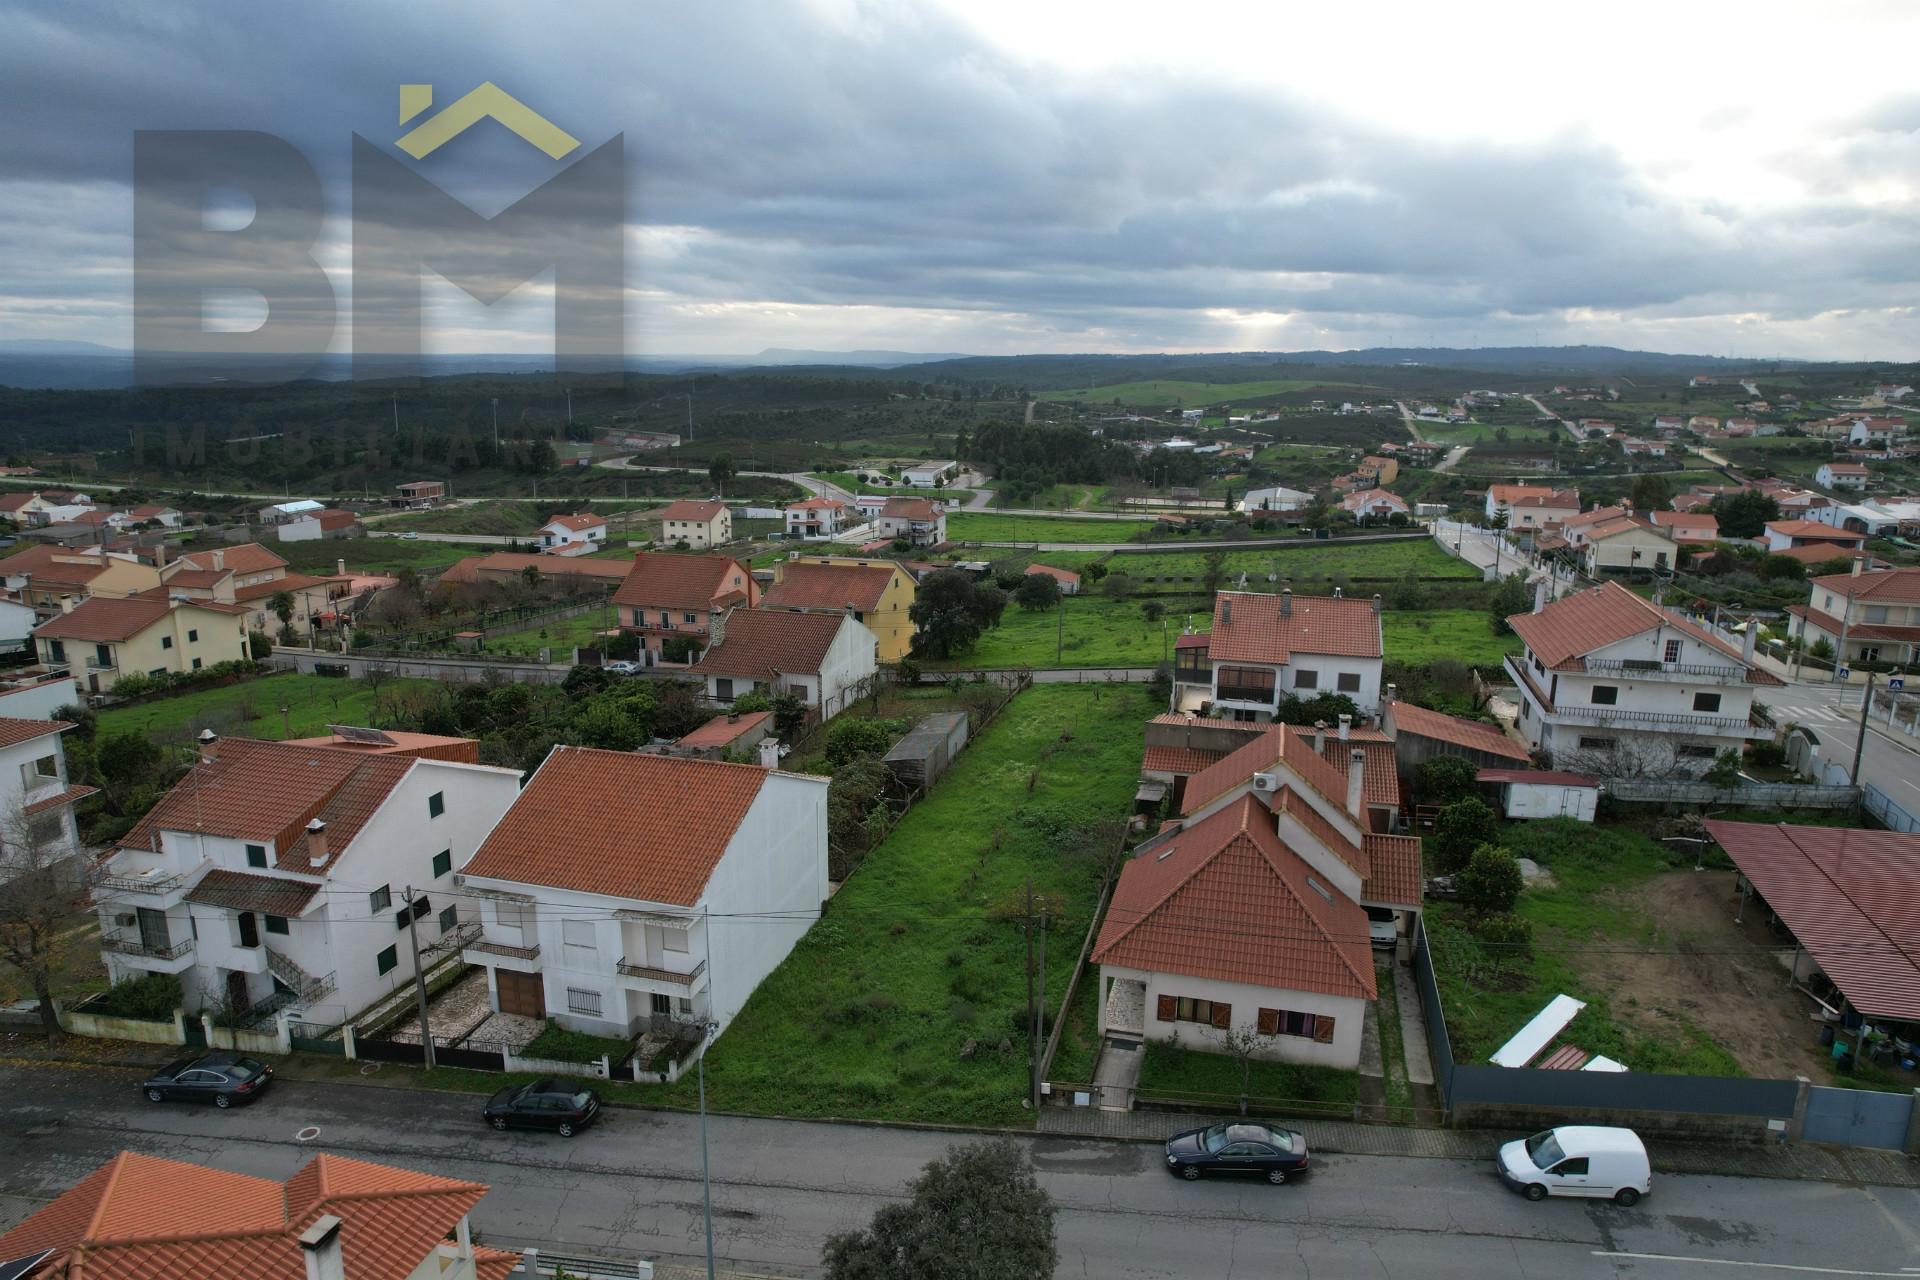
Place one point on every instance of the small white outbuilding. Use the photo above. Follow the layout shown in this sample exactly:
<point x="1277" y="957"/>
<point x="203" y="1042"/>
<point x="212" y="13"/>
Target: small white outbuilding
<point x="1541" y="793"/>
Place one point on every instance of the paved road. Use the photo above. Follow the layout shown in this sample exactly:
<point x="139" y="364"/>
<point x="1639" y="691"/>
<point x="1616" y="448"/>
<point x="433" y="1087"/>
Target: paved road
<point x="1891" y="761"/>
<point x="812" y="484"/>
<point x="632" y="1188"/>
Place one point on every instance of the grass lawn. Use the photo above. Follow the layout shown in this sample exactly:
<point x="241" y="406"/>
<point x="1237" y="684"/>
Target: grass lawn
<point x="1308" y="559"/>
<point x="377" y="555"/>
<point x="1214" y="1080"/>
<point x="1087" y="631"/>
<point x="313" y="703"/>
<point x="1166" y="391"/>
<point x="917" y="954"/>
<point x="562" y="636"/>
<point x="1487" y="998"/>
<point x="1080" y="1042"/>
<point x="1463" y="634"/>
<point x="979" y="526"/>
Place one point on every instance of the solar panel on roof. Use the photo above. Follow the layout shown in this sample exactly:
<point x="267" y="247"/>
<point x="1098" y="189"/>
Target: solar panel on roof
<point x="362" y="735"/>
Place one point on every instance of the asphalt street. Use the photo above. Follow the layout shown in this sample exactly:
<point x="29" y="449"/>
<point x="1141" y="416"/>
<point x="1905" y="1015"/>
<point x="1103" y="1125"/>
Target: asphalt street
<point x="1889" y="760"/>
<point x="631" y="1188"/>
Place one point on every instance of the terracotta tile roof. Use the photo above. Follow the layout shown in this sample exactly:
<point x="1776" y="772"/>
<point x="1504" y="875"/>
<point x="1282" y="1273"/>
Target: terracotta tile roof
<point x="71" y="795"/>
<point x="239" y="891"/>
<point x="14" y="731"/>
<point x="334" y="519"/>
<point x="1533" y="495"/>
<point x="1188" y="718"/>
<point x="16" y="501"/>
<point x="101" y="618"/>
<point x="1688" y="521"/>
<point x="140" y="1217"/>
<point x="274" y="586"/>
<point x="910" y="509"/>
<point x="761" y="643"/>
<point x="49" y="566"/>
<point x="808" y="584"/>
<point x="246" y="557"/>
<point x="1546" y="777"/>
<point x="1271" y="749"/>
<point x="1813" y="529"/>
<point x="1380" y="776"/>
<point x="1249" y="627"/>
<point x="1394" y="875"/>
<point x="1811" y="553"/>
<point x="1066" y="577"/>
<point x="1899" y="586"/>
<point x="723" y="729"/>
<point x="196" y="579"/>
<point x="1859" y="630"/>
<point x="1226" y="899"/>
<point x="647" y="828"/>
<point x="1846" y="468"/>
<point x="421" y="746"/>
<point x="1193" y="640"/>
<point x="1180" y="761"/>
<point x="1471" y="734"/>
<point x="664" y="580"/>
<point x="577" y="523"/>
<point x="1575" y="625"/>
<point x="191" y="602"/>
<point x="817" y="504"/>
<point x="700" y="512"/>
<point x="1296" y="806"/>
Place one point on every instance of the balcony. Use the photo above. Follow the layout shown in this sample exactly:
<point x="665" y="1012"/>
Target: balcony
<point x="665" y="977"/>
<point x="501" y="955"/>
<point x="1245" y="693"/>
<point x="1677" y="672"/>
<point x="127" y="944"/>
<point x="1193" y="673"/>
<point x="157" y="882"/>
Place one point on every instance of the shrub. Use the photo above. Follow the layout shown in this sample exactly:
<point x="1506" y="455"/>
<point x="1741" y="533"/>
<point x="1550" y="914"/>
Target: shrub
<point x="748" y="703"/>
<point x="1462" y="827"/>
<point x="558" y="1044"/>
<point x="1766" y="755"/>
<point x="849" y="738"/>
<point x="152" y="997"/>
<point x="1445" y="779"/>
<point x="1490" y="883"/>
<point x="258" y="646"/>
<point x="1508" y="937"/>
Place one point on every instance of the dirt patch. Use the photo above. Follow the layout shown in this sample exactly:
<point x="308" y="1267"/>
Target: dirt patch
<point x="1703" y="970"/>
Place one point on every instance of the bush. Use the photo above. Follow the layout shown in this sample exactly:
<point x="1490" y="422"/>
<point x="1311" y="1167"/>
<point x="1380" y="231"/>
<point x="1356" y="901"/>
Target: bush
<point x="748" y="703"/>
<point x="258" y="646"/>
<point x="557" y="1044"/>
<point x="1766" y="755"/>
<point x="1490" y="883"/>
<point x="849" y="738"/>
<point x="1462" y="827"/>
<point x="1509" y="937"/>
<point x="153" y="997"/>
<point x="1445" y="779"/>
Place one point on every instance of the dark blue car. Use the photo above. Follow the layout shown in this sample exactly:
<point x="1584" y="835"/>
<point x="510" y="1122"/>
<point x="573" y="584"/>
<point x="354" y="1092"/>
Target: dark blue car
<point x="1246" y="1149"/>
<point x="224" y="1079"/>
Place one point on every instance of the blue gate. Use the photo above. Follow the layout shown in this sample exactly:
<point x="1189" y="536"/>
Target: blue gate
<point x="1857" y="1117"/>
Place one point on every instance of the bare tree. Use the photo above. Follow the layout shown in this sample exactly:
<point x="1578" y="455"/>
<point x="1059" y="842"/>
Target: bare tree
<point x="1243" y="1044"/>
<point x="1633" y="758"/>
<point x="39" y="894"/>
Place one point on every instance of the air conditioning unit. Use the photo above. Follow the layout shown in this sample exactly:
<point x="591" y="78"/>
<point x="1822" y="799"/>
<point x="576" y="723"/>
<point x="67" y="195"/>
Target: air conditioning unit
<point x="1266" y="782"/>
<point x="126" y="920"/>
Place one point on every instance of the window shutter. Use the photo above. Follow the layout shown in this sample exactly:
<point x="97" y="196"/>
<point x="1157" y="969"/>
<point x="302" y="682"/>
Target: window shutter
<point x="1165" y="1009"/>
<point x="1269" y="1022"/>
<point x="1222" y="1015"/>
<point x="1323" y="1028"/>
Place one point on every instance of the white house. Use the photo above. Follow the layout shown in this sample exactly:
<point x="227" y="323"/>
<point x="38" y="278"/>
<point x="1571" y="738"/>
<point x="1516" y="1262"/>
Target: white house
<point x="166" y="517"/>
<point x="927" y="475"/>
<point x="281" y="512"/>
<point x="826" y="658"/>
<point x="1841" y="475"/>
<point x="17" y="622"/>
<point x="1532" y="506"/>
<point x="817" y="519"/>
<point x="573" y="535"/>
<point x="37" y="831"/>
<point x="35" y="693"/>
<point x="1614" y="685"/>
<point x="1265" y="648"/>
<point x="274" y="875"/>
<point x="312" y="526"/>
<point x="1275" y="498"/>
<point x="680" y="885"/>
<point x="1866" y="616"/>
<point x="1373" y="504"/>
<point x="701" y="525"/>
<point x="920" y="521"/>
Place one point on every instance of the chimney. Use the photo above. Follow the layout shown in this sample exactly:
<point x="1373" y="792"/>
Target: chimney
<point x="320" y="1245"/>
<point x="1356" y="783"/>
<point x="1393" y="693"/>
<point x="1286" y="602"/>
<point x="316" y="843"/>
<point x="1338" y="593"/>
<point x="769" y="753"/>
<point x="1346" y="726"/>
<point x="207" y="738"/>
<point x="68" y="602"/>
<point x="716" y="627"/>
<point x="850" y="609"/>
<point x="1319" y="736"/>
<point x="219" y="560"/>
<point x="1376" y="604"/>
<point x="1226" y="608"/>
<point x="340" y="567"/>
<point x="1539" y="595"/>
<point x="1859" y="565"/>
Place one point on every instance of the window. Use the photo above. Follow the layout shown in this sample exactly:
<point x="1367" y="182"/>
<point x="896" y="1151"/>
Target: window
<point x="1212" y="1013"/>
<point x="44" y="767"/>
<point x="1306" y="679"/>
<point x="1876" y="613"/>
<point x="1349" y="682"/>
<point x="577" y="933"/>
<point x="1598" y="744"/>
<point x="1574" y="1168"/>
<point x="49" y="828"/>
<point x="686" y="617"/>
<point x="449" y="919"/>
<point x="57" y="650"/>
<point x="583" y="1002"/>
<point x="1869" y="653"/>
<point x="436" y="804"/>
<point x="1672" y="651"/>
<point x="196" y="664"/>
<point x="442" y="862"/>
<point x="1606" y="695"/>
<point x="256" y="855"/>
<point x="193" y="636"/>
<point x="387" y="961"/>
<point x="1706" y="702"/>
<point x="1290" y="1022"/>
<point x="277" y="924"/>
<point x="166" y="642"/>
<point x="379" y="900"/>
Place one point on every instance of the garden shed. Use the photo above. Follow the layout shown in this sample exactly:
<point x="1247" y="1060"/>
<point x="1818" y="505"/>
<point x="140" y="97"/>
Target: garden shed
<point x="923" y="755"/>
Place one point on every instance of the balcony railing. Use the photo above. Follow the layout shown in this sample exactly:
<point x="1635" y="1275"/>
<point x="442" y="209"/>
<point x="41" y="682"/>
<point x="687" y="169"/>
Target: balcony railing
<point x="1630" y="669"/>
<point x="132" y="945"/>
<point x="1244" y="693"/>
<point x="1662" y="719"/>
<point x="488" y="947"/>
<point x="1193" y="673"/>
<point x="662" y="975"/>
<point x="105" y="877"/>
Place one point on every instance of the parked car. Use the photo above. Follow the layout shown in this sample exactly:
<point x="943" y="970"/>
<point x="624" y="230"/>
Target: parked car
<point x="220" y="1078"/>
<point x="622" y="667"/>
<point x="1247" y="1148"/>
<point x="1442" y="887"/>
<point x="1383" y="926"/>
<point x="561" y="1105"/>
<point x="1578" y="1160"/>
<point x="409" y="536"/>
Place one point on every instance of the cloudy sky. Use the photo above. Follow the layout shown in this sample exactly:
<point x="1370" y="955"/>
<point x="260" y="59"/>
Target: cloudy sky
<point x="1002" y="176"/>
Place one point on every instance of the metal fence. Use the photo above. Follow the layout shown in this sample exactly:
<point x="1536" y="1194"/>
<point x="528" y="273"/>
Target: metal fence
<point x="1747" y="795"/>
<point x="1881" y="807"/>
<point x="1439" y="1041"/>
<point x="316" y="1037"/>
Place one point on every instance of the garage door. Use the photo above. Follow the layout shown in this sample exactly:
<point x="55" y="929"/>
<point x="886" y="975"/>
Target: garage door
<point x="521" y="993"/>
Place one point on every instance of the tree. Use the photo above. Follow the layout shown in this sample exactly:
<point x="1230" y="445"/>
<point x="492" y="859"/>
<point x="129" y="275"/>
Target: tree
<point x="1444" y="779"/>
<point x="1037" y="592"/>
<point x="1094" y="571"/>
<point x="1490" y="883"/>
<point x="850" y="737"/>
<point x="40" y="891"/>
<point x="948" y="613"/>
<point x="789" y="713"/>
<point x="1726" y="769"/>
<point x="281" y="603"/>
<point x="1243" y="1044"/>
<point x="1651" y="493"/>
<point x="1213" y="571"/>
<point x="720" y="471"/>
<point x="1513" y="595"/>
<point x="1160" y="684"/>
<point x="1744" y="514"/>
<point x="1462" y="827"/>
<point x="1117" y="586"/>
<point x="975" y="1214"/>
<point x="531" y="576"/>
<point x="1152" y="611"/>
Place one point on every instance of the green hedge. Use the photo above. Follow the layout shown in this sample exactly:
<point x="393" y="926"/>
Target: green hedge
<point x="152" y="998"/>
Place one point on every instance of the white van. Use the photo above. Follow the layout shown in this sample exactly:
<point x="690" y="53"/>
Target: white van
<point x="1578" y="1160"/>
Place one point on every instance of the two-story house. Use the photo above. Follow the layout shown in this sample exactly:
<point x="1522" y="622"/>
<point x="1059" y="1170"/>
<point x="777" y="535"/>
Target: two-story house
<point x="701" y="525"/>
<point x="251" y="576"/>
<point x="1841" y="475"/>
<point x="1614" y="539"/>
<point x="103" y="639"/>
<point x="573" y="535"/>
<point x="672" y="602"/>
<point x="678" y="886"/>
<point x="141" y="1217"/>
<point x="1692" y="528"/>
<point x="879" y="592"/>
<point x="1532" y="506"/>
<point x="1264" y="649"/>
<point x="827" y="659"/>
<point x="286" y="874"/>
<point x="1614" y="685"/>
<point x="44" y="576"/>
<point x="1867" y="616"/>
<point x="817" y="519"/>
<point x="37" y="832"/>
<point x="1832" y="541"/>
<point x="920" y="521"/>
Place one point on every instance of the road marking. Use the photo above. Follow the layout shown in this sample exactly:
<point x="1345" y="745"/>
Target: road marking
<point x="1903" y="1274"/>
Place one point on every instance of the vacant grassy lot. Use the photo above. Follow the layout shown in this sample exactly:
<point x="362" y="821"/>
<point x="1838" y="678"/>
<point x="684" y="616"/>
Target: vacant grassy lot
<point x="920" y="951"/>
<point x="252" y="708"/>
<point x="501" y="518"/>
<point x="1306" y="559"/>
<point x="561" y="636"/>
<point x="1085" y="631"/>
<point x="377" y="555"/>
<point x="978" y="526"/>
<point x="1214" y="1081"/>
<point x="1187" y="394"/>
<point x="1462" y="634"/>
<point x="1483" y="432"/>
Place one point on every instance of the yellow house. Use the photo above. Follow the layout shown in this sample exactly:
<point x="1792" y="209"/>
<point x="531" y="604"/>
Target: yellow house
<point x="44" y="575"/>
<point x="701" y="525"/>
<point x="878" y="593"/>
<point x="105" y="639"/>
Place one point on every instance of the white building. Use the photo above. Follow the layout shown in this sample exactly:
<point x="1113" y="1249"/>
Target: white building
<point x="1542" y="793"/>
<point x="817" y="519"/>
<point x="1532" y="506"/>
<point x="1373" y="504"/>
<point x="701" y="525"/>
<point x="315" y="525"/>
<point x="920" y="521"/>
<point x="281" y="512"/>
<point x="927" y="475"/>
<point x="825" y="658"/>
<point x="1275" y="498"/>
<point x="573" y="535"/>
<point x="1841" y="475"/>
<point x="680" y="885"/>
<point x="1266" y="648"/>
<point x="37" y="831"/>
<point x="274" y="875"/>
<point x="1611" y="684"/>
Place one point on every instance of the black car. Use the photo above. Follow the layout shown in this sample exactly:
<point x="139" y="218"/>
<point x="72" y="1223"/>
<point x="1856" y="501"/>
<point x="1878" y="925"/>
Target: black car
<point x="220" y="1078"/>
<point x="1246" y="1148"/>
<point x="560" y="1105"/>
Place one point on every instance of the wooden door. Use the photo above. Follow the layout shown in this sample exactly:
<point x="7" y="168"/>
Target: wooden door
<point x="522" y="993"/>
<point x="237" y="997"/>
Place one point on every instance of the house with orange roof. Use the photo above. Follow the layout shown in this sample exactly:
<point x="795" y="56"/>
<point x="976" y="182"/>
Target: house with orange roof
<point x="251" y="576"/>
<point x="1613" y="538"/>
<point x="679" y="885"/>
<point x="826" y="659"/>
<point x="45" y="577"/>
<point x="1614" y="685"/>
<point x="1532" y="506"/>
<point x="106" y="639"/>
<point x="818" y="519"/>
<point x="274" y="874"/>
<point x="141" y="1217"/>
<point x="1785" y="535"/>
<point x="312" y="526"/>
<point x="1842" y="475"/>
<point x="672" y="602"/>
<point x="701" y="525"/>
<point x="920" y="521"/>
<point x="1069" y="580"/>
<point x="879" y="595"/>
<point x="1694" y="528"/>
<point x="1865" y="615"/>
<point x="1264" y="649"/>
<point x="573" y="535"/>
<point x="1373" y="504"/>
<point x="1420" y="734"/>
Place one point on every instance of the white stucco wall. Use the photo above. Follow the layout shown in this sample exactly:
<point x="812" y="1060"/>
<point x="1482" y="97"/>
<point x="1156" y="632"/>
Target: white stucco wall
<point x="1349" y="1015"/>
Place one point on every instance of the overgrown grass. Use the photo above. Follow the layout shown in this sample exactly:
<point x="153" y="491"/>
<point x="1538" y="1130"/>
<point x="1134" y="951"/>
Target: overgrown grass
<point x="1213" y="1080"/>
<point x="922" y="950"/>
<point x="1465" y="635"/>
<point x="1083" y="631"/>
<point x="1080" y="1043"/>
<point x="981" y="526"/>
<point x="557" y="1044"/>
<point x="253" y="707"/>
<point x="1393" y="1049"/>
<point x="378" y="555"/>
<point x="561" y="636"/>
<point x="1308" y="559"/>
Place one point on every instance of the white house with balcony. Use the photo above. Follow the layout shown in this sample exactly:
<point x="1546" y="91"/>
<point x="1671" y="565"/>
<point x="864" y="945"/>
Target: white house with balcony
<point x="627" y="893"/>
<point x="37" y="832"/>
<point x="1865" y="616"/>
<point x="276" y="874"/>
<point x="1265" y="648"/>
<point x="1613" y="685"/>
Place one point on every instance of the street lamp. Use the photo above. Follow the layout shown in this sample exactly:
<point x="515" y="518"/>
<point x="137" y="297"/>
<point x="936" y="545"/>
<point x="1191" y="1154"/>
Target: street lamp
<point x="706" y="1175"/>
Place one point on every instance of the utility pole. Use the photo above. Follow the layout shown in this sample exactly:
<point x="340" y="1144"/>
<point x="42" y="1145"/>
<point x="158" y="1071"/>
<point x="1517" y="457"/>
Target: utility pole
<point x="1040" y="1016"/>
<point x="569" y="391"/>
<point x="706" y="1174"/>
<point x="1840" y="651"/>
<point x="496" y="429"/>
<point x="419" y="978"/>
<point x="286" y="722"/>
<point x="396" y="415"/>
<point x="1860" y="743"/>
<point x="1033" y="1055"/>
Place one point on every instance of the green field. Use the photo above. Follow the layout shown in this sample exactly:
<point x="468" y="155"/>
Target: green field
<point x="917" y="954"/>
<point x="1170" y="392"/>
<point x="1307" y="559"/>
<point x="499" y="518"/>
<point x="378" y="555"/>
<point x="1483" y="433"/>
<point x="977" y="526"/>
<point x="1465" y="635"/>
<point x="252" y="708"/>
<point x="562" y="636"/>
